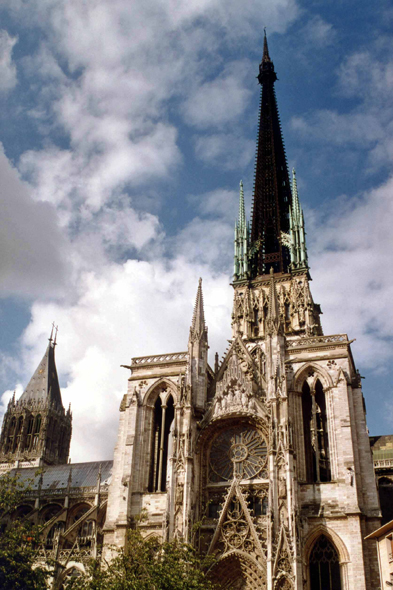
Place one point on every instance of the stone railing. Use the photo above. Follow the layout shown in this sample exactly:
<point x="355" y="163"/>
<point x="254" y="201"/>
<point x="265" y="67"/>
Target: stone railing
<point x="317" y="340"/>
<point x="378" y="463"/>
<point x="158" y="359"/>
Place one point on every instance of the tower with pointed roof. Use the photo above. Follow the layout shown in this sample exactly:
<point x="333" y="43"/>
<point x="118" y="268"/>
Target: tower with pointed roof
<point x="36" y="428"/>
<point x="263" y="461"/>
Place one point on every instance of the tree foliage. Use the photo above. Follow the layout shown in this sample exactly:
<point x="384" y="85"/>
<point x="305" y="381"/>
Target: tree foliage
<point x="18" y="541"/>
<point x="148" y="564"/>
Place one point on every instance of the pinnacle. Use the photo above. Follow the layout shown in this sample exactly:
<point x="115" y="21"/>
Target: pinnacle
<point x="242" y="210"/>
<point x="198" y="326"/>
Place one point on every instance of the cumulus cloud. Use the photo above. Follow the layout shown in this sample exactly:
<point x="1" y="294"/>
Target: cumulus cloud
<point x="222" y="100"/>
<point x="224" y="149"/>
<point x="318" y="32"/>
<point x="8" y="76"/>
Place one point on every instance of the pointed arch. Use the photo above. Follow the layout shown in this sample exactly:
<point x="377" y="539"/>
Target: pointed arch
<point x="304" y="373"/>
<point x="335" y="539"/>
<point x="313" y="382"/>
<point x="156" y="388"/>
<point x="159" y="401"/>
<point x="317" y="534"/>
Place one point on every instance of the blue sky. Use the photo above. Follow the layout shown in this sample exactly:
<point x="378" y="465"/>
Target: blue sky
<point x="125" y="130"/>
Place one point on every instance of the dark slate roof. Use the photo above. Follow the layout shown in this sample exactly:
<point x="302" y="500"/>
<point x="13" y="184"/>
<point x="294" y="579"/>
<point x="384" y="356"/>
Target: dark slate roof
<point x="55" y="477"/>
<point x="44" y="384"/>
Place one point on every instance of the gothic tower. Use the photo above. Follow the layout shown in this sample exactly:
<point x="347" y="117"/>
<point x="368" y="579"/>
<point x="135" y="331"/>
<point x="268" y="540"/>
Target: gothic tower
<point x="36" y="429"/>
<point x="263" y="461"/>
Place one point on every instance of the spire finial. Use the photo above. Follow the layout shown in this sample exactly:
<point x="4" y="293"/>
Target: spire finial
<point x="51" y="332"/>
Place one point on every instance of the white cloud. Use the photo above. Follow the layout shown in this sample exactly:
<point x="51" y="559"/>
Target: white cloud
<point x="225" y="149"/>
<point x="219" y="101"/>
<point x="33" y="250"/>
<point x="318" y="32"/>
<point x="8" y="76"/>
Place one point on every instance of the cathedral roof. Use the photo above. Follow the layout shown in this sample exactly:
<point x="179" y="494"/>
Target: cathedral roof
<point x="56" y="477"/>
<point x="44" y="384"/>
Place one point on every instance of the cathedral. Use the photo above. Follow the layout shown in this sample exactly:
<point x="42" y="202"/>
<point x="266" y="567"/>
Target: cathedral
<point x="263" y="460"/>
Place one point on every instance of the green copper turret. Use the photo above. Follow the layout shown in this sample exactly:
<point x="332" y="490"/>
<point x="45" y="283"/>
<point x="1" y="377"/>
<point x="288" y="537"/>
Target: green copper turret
<point x="241" y="259"/>
<point x="297" y="235"/>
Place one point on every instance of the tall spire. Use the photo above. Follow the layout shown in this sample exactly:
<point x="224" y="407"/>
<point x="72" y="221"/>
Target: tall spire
<point x="272" y="191"/>
<point x="198" y="326"/>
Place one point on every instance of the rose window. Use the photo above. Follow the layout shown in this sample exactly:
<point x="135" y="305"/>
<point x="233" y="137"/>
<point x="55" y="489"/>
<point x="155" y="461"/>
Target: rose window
<point x="240" y="452"/>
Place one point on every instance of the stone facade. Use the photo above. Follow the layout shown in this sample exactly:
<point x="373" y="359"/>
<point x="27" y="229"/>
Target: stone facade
<point x="243" y="478"/>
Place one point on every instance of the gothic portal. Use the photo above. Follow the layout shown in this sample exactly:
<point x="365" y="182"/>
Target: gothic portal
<point x="263" y="461"/>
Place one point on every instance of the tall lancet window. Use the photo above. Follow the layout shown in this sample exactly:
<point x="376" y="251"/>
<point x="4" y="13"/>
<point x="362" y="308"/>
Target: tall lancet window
<point x="162" y="420"/>
<point x="324" y="566"/>
<point x="316" y="442"/>
<point x="18" y="433"/>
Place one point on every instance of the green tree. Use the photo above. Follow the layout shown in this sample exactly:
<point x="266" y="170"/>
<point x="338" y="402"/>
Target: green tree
<point x="148" y="564"/>
<point x="18" y="541"/>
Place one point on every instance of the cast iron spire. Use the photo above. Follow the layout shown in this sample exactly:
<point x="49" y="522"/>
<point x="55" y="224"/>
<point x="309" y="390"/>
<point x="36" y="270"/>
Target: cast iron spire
<point x="272" y="191"/>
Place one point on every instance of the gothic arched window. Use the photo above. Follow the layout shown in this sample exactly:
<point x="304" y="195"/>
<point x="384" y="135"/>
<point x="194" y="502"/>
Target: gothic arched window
<point x="316" y="442"/>
<point x="163" y="415"/>
<point x="11" y="436"/>
<point x="29" y="438"/>
<point x="18" y="433"/>
<point x="324" y="566"/>
<point x="37" y="428"/>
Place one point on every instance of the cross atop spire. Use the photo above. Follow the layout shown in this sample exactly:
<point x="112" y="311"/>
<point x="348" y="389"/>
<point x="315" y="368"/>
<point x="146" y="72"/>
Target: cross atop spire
<point x="198" y="326"/>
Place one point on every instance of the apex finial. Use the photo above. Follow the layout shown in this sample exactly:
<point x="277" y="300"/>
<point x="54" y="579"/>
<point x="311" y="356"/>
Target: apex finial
<point x="51" y="332"/>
